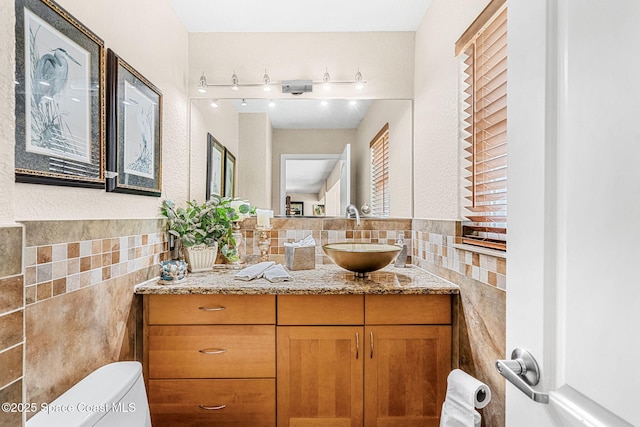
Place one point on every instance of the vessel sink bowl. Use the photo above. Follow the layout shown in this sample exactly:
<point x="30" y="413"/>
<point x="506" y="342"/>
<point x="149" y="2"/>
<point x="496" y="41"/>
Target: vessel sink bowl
<point x="361" y="258"/>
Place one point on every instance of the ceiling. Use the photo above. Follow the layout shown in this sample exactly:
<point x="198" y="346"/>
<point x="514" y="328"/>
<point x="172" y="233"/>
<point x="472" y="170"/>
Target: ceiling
<point x="308" y="113"/>
<point x="308" y="176"/>
<point x="300" y="15"/>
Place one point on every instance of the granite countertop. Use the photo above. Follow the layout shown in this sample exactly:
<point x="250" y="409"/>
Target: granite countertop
<point x="324" y="279"/>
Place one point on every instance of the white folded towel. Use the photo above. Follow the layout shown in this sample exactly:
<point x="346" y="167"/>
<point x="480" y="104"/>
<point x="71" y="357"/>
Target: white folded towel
<point x="254" y="271"/>
<point x="277" y="273"/>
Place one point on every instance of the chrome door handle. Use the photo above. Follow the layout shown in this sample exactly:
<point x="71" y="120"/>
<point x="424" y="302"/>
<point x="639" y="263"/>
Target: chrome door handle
<point x="523" y="372"/>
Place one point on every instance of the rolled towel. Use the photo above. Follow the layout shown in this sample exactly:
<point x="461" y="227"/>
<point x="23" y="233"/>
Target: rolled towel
<point x="277" y="273"/>
<point x="254" y="271"/>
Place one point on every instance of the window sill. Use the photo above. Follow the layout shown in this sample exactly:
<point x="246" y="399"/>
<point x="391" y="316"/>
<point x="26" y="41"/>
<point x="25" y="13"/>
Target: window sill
<point x="481" y="250"/>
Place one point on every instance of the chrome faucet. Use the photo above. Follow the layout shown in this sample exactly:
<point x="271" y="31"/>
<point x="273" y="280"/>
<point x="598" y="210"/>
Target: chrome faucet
<point x="351" y="209"/>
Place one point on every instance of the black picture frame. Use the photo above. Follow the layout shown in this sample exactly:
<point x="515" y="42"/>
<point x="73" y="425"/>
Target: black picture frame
<point x="60" y="98"/>
<point x="297" y="209"/>
<point x="215" y="167"/>
<point x="134" y="131"/>
<point x="229" y="174"/>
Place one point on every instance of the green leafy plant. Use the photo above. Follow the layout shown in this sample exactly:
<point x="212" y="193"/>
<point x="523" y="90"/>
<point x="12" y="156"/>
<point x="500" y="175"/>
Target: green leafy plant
<point x="205" y="223"/>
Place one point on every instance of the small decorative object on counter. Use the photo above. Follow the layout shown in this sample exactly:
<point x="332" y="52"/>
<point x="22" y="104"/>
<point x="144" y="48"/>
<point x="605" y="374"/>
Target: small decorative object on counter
<point x="264" y="229"/>
<point x="300" y="255"/>
<point x="172" y="272"/>
<point x="401" y="259"/>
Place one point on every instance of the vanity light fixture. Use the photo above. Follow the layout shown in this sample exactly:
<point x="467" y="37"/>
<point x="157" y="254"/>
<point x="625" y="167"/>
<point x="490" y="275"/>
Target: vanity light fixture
<point x="353" y="102"/>
<point x="243" y="103"/>
<point x="294" y="87"/>
<point x="324" y="102"/>
<point x="202" y="85"/>
<point x="234" y="82"/>
<point x="326" y="79"/>
<point x="266" y="80"/>
<point x="272" y="103"/>
<point x="214" y="103"/>
<point x="359" y="81"/>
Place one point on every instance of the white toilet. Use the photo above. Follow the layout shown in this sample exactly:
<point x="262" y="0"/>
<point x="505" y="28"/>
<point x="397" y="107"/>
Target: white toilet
<point x="113" y="395"/>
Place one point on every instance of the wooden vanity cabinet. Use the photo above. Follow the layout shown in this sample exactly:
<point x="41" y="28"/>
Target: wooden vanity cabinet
<point x="384" y="363"/>
<point x="210" y="359"/>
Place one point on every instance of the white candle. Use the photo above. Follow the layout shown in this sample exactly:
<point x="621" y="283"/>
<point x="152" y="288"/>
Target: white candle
<point x="263" y="218"/>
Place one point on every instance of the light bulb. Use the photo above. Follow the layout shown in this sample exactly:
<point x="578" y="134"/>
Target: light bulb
<point x="202" y="85"/>
<point x="266" y="81"/>
<point x="359" y="82"/>
<point x="243" y="103"/>
<point x="234" y="82"/>
<point x="272" y="103"/>
<point x="214" y="103"/>
<point x="325" y="80"/>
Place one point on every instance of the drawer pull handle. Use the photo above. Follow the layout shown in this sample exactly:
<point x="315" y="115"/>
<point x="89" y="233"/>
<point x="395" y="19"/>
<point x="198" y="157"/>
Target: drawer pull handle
<point x="357" y="345"/>
<point x="213" y="350"/>
<point x="219" y="308"/>
<point x="212" y="408"/>
<point x="371" y="355"/>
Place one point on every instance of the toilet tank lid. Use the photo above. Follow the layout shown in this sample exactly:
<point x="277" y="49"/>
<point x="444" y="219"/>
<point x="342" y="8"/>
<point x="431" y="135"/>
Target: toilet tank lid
<point x="91" y="398"/>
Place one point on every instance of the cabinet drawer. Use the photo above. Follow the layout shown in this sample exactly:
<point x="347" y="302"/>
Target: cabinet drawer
<point x="176" y="403"/>
<point x="211" y="309"/>
<point x="320" y="310"/>
<point x="212" y="351"/>
<point x="408" y="309"/>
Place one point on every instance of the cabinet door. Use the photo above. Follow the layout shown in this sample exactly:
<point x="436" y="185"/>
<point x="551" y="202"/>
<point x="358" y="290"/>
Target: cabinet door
<point x="406" y="370"/>
<point x="319" y="378"/>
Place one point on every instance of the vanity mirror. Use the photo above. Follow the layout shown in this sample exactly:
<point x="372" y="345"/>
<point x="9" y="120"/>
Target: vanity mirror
<point x="312" y="151"/>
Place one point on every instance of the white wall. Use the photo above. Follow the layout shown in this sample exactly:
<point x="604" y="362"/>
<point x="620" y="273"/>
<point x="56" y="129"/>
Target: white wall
<point x="254" y="168"/>
<point x="398" y="114"/>
<point x="159" y="51"/>
<point x="7" y="111"/>
<point x="306" y="141"/>
<point x="223" y="124"/>
<point x="385" y="60"/>
<point x="436" y="181"/>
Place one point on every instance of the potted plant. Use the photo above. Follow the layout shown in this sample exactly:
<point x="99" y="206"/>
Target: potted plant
<point x="202" y="228"/>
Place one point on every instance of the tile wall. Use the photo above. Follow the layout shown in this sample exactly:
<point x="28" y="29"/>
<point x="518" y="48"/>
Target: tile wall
<point x="481" y="310"/>
<point x="80" y="310"/>
<point x="11" y="323"/>
<point x="323" y="230"/>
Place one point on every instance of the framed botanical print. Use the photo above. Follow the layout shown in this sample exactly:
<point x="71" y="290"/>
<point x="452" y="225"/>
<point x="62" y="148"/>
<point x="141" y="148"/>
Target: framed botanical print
<point x="215" y="167"/>
<point x="134" y="130"/>
<point x="229" y="174"/>
<point x="60" y="115"/>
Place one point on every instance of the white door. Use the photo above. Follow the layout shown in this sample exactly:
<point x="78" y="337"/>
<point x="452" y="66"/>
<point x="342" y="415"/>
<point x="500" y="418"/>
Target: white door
<point x="574" y="209"/>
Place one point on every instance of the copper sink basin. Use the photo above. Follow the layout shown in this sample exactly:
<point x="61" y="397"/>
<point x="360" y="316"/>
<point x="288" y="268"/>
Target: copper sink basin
<point x="361" y="258"/>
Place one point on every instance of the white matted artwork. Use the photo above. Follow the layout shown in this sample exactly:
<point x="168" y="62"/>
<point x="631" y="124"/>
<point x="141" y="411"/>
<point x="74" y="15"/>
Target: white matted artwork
<point x="57" y="93"/>
<point x="139" y="131"/>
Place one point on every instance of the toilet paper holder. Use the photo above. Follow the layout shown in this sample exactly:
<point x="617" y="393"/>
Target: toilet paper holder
<point x="523" y="372"/>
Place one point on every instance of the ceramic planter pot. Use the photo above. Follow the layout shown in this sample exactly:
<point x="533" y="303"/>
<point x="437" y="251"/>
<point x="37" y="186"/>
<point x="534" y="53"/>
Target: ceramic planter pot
<point x="200" y="257"/>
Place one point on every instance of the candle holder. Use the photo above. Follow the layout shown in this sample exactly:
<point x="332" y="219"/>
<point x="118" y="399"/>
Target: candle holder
<point x="236" y="262"/>
<point x="264" y="241"/>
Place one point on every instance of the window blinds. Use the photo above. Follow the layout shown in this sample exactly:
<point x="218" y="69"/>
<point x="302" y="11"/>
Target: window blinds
<point x="379" y="147"/>
<point x="484" y="68"/>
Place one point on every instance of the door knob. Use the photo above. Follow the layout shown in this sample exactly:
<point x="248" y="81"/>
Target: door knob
<point x="523" y="372"/>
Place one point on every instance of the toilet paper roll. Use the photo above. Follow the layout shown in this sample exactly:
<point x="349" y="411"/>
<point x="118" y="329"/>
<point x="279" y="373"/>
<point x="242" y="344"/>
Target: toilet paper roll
<point x="464" y="395"/>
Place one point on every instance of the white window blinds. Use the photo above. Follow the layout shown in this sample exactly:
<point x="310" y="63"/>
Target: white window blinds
<point x="484" y="117"/>
<point x="379" y="147"/>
